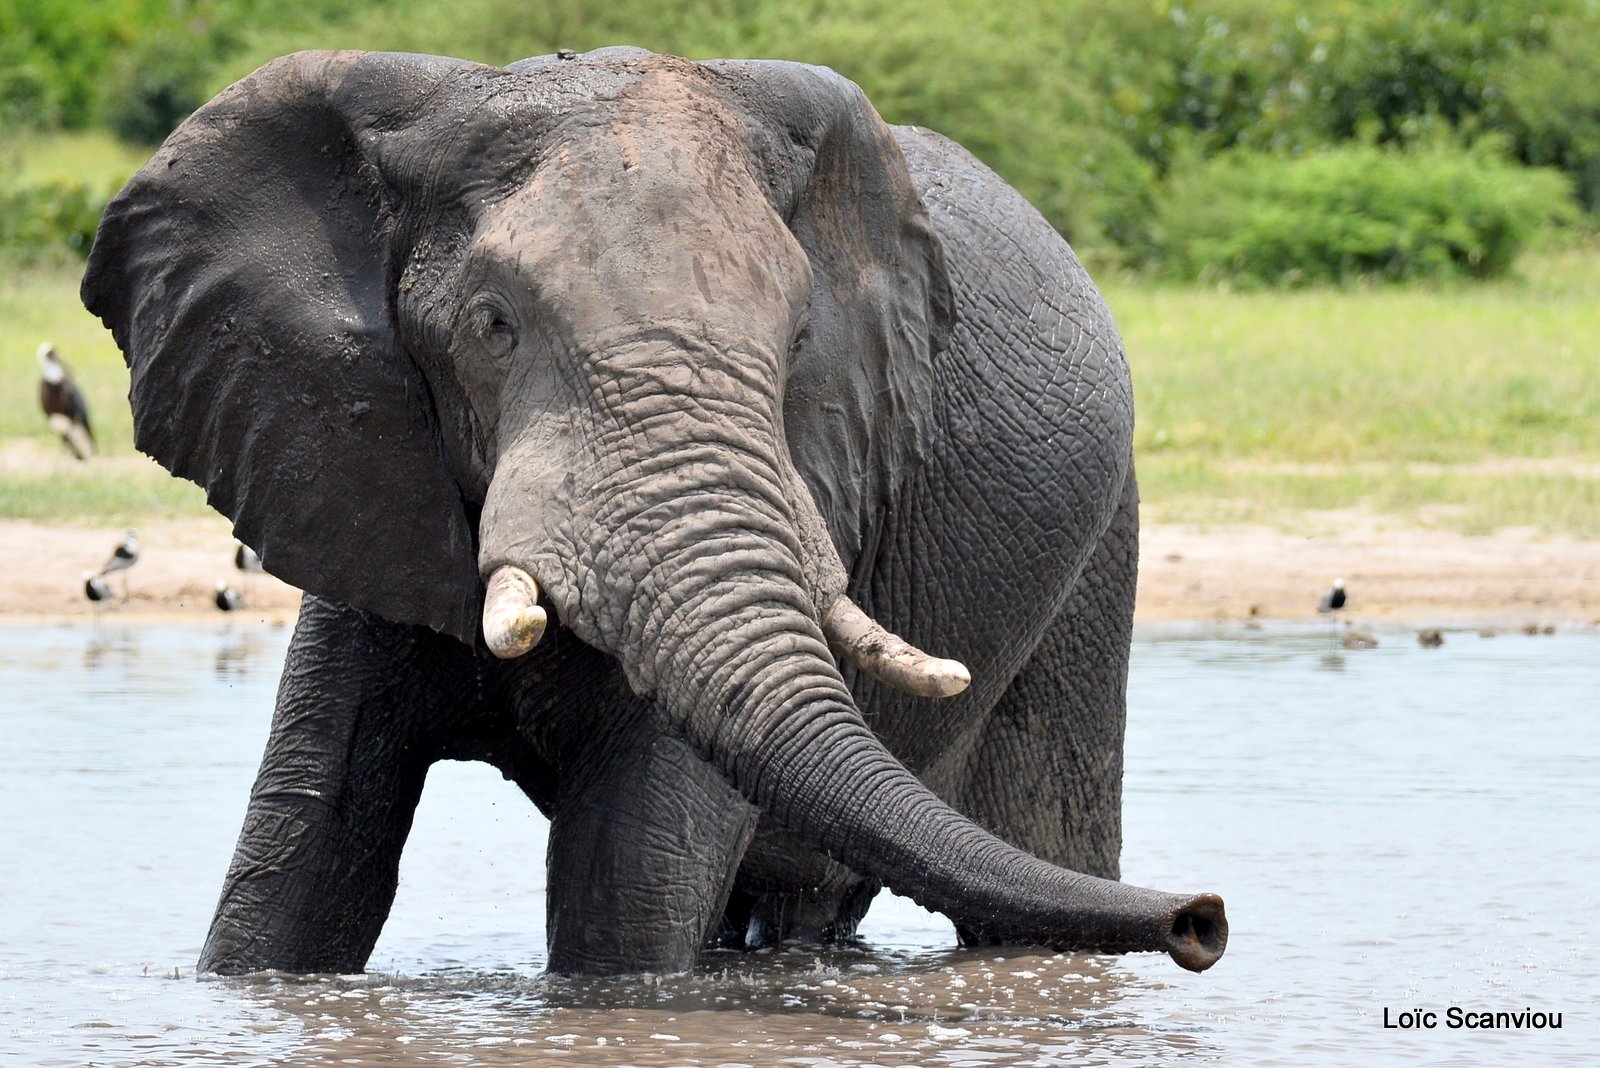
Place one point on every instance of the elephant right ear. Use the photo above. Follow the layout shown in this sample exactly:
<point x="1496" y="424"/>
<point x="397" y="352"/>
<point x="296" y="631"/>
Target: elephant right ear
<point x="244" y="273"/>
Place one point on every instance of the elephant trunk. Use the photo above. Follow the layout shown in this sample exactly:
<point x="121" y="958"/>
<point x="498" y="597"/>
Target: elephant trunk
<point x="773" y="714"/>
<point x="691" y="561"/>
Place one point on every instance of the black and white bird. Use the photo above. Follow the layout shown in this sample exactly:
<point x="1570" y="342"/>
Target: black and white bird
<point x="245" y="558"/>
<point x="124" y="556"/>
<point x="95" y="588"/>
<point x="1333" y="600"/>
<point x="63" y="403"/>
<point x="247" y="563"/>
<point x="227" y="598"/>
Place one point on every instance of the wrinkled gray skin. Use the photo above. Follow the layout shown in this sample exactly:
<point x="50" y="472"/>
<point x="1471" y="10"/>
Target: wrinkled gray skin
<point x="699" y="346"/>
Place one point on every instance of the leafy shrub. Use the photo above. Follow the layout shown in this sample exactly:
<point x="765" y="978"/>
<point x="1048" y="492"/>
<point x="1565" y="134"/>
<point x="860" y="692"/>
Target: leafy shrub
<point x="53" y="216"/>
<point x="1025" y="110"/>
<point x="1354" y="212"/>
<point x="1008" y="81"/>
<point x="1399" y="71"/>
<point x="1205" y="76"/>
<point x="1084" y="106"/>
<point x="153" y="87"/>
<point x="1551" y="103"/>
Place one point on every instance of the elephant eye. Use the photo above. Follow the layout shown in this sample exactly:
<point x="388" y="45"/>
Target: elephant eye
<point x="802" y="332"/>
<point x="489" y="322"/>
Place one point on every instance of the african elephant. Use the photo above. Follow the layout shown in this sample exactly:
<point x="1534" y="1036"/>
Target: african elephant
<point x="731" y="378"/>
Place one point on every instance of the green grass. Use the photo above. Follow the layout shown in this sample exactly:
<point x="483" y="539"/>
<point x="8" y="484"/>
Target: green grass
<point x="92" y="156"/>
<point x="1318" y="502"/>
<point x="39" y="302"/>
<point x="1234" y="389"/>
<point x="84" y="494"/>
<point x="1253" y="407"/>
<point x="1451" y="373"/>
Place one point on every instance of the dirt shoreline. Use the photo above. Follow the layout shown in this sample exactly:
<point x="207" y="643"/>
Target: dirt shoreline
<point x="1393" y="573"/>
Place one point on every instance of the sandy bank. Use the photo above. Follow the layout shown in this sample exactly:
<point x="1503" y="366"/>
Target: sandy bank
<point x="180" y="563"/>
<point x="1393" y="574"/>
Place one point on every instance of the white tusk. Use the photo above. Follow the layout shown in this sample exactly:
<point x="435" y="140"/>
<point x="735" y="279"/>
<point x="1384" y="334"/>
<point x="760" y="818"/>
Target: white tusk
<point x="888" y="658"/>
<point x="513" y="622"/>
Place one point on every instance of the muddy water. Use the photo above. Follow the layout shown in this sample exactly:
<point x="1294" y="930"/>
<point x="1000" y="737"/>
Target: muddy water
<point x="1395" y="830"/>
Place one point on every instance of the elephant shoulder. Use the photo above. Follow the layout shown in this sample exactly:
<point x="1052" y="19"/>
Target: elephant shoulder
<point x="1032" y="330"/>
<point x="982" y="220"/>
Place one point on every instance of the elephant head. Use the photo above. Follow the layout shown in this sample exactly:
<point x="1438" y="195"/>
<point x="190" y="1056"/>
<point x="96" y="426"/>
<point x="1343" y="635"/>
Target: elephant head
<point x="655" y="338"/>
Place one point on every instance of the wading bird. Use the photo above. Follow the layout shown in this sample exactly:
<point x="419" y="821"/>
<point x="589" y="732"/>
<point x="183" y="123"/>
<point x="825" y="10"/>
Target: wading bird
<point x="95" y="588"/>
<point x="124" y="556"/>
<point x="63" y="404"/>
<point x="245" y="558"/>
<point x="247" y="563"/>
<point x="227" y="598"/>
<point x="97" y="591"/>
<point x="1329" y="606"/>
<point x="1333" y="600"/>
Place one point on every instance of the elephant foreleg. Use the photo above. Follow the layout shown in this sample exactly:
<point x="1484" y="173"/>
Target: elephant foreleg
<point x="315" y="869"/>
<point x="644" y="840"/>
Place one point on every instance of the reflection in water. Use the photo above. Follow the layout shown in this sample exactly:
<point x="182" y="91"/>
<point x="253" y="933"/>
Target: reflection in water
<point x="1399" y="828"/>
<point x="110" y="644"/>
<point x="237" y="649"/>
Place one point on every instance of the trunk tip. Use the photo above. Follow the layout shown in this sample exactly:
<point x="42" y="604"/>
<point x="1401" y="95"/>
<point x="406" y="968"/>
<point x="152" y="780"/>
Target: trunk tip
<point x="1198" y="934"/>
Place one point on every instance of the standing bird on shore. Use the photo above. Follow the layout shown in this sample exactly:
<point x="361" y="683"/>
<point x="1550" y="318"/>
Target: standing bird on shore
<point x="245" y="558"/>
<point x="95" y="588"/>
<point x="227" y="598"/>
<point x="1333" y="600"/>
<point x="63" y="404"/>
<point x="247" y="563"/>
<point x="97" y="591"/>
<point x="124" y="556"/>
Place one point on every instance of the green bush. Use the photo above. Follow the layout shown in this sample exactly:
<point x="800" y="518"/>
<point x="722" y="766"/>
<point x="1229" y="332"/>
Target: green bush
<point x="155" y="86"/>
<point x="1008" y="81"/>
<point x="51" y="217"/>
<point x="1085" y="106"/>
<point x="1353" y="212"/>
<point x="1206" y="76"/>
<point x="1551" y="103"/>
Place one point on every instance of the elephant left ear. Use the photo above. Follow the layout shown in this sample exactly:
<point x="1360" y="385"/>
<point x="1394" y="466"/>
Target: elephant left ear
<point x="859" y="400"/>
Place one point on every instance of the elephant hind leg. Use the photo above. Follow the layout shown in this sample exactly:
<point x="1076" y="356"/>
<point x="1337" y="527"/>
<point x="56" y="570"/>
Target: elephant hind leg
<point x="315" y="869"/>
<point x="1046" y="774"/>
<point x="645" y="837"/>
<point x="789" y="892"/>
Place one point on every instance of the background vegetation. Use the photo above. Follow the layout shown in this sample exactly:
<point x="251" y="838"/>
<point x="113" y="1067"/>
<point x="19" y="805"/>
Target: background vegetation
<point x="1249" y="178"/>
<point x="1117" y="119"/>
